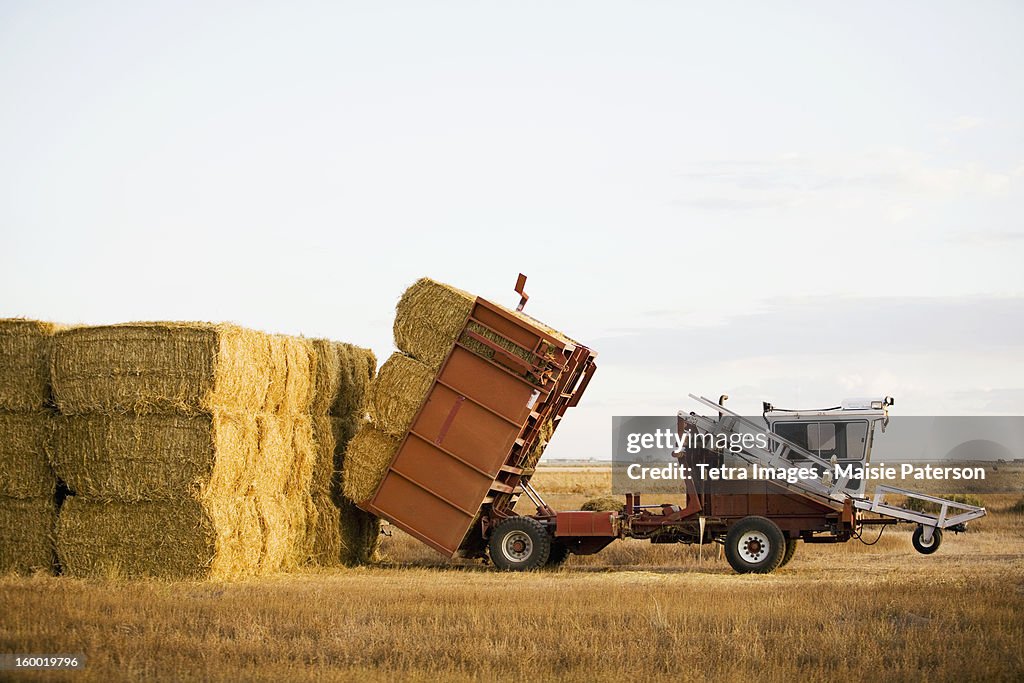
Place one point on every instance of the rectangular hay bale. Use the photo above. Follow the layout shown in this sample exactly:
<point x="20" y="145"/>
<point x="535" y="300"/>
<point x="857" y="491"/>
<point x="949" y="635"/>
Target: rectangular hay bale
<point x="398" y="391"/>
<point x="167" y="539"/>
<point x="366" y="460"/>
<point x="24" y="467"/>
<point x="184" y="367"/>
<point x="26" y="534"/>
<point x="25" y="364"/>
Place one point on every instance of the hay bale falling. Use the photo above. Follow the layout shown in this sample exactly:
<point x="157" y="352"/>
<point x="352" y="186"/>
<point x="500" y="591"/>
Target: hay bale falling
<point x="366" y="460"/>
<point x="428" y="318"/>
<point x="24" y="470"/>
<point x="181" y="367"/>
<point x="26" y="534"/>
<point x="397" y="393"/>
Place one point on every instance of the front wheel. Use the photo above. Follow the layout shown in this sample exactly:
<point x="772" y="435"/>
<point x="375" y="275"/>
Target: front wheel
<point x="519" y="544"/>
<point x="755" y="545"/>
<point x="929" y="547"/>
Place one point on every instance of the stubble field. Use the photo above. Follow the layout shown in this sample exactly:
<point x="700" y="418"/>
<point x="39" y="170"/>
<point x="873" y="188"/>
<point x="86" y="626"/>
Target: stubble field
<point x="633" y="611"/>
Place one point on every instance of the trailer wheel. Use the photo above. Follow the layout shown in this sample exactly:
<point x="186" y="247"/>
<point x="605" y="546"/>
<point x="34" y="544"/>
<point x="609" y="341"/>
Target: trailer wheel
<point x="558" y="555"/>
<point x="790" y="552"/>
<point x="929" y="547"/>
<point x="519" y="544"/>
<point x="755" y="545"/>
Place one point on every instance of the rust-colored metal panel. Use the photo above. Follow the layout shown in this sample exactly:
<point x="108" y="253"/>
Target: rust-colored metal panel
<point x="464" y="427"/>
<point x="402" y="502"/>
<point x="490" y="385"/>
<point x="585" y="524"/>
<point x="464" y="454"/>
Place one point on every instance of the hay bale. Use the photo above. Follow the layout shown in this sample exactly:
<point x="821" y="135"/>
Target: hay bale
<point x="547" y="430"/>
<point x="360" y="536"/>
<point x="182" y="539"/>
<point x="358" y="367"/>
<point x="326" y="375"/>
<point x="24" y="469"/>
<point x="397" y="393"/>
<point x="323" y="461"/>
<point x="184" y="367"/>
<point x="366" y="459"/>
<point x="325" y="532"/>
<point x="430" y="315"/>
<point x="26" y="534"/>
<point x="156" y="457"/>
<point x="428" y="318"/>
<point x="174" y="540"/>
<point x="25" y="364"/>
<point x="603" y="504"/>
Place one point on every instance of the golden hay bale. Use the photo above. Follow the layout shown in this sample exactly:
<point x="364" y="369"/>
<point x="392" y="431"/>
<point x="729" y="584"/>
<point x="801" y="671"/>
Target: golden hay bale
<point x="360" y="536"/>
<point x="26" y="534"/>
<point x="292" y="378"/>
<point x="430" y="315"/>
<point x="156" y="457"/>
<point x="323" y="461"/>
<point x="24" y="469"/>
<point x="324" y="531"/>
<point x="603" y="504"/>
<point x="284" y="521"/>
<point x="547" y="429"/>
<point x="366" y="459"/>
<point x="342" y="429"/>
<point x="186" y="367"/>
<point x="25" y="364"/>
<point x="357" y="367"/>
<point x="397" y="393"/>
<point x="326" y="375"/>
<point x="164" y="539"/>
<point x="428" y="318"/>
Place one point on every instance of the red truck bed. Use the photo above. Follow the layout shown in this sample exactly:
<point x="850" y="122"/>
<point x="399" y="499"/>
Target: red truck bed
<point x="499" y="394"/>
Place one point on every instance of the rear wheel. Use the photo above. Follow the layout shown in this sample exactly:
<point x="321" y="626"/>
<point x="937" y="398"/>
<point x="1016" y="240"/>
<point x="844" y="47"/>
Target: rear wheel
<point x="755" y="545"/>
<point x="790" y="552"/>
<point x="559" y="554"/>
<point x="519" y="544"/>
<point x="929" y="547"/>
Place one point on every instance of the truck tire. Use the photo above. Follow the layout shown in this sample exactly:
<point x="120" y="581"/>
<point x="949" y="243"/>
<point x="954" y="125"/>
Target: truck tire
<point x="790" y="552"/>
<point x="558" y="555"/>
<point x="926" y="548"/>
<point x="519" y="544"/>
<point x="755" y="545"/>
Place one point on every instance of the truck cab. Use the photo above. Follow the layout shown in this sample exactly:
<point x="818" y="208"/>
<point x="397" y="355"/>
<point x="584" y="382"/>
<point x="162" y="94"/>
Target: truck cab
<point x="841" y="435"/>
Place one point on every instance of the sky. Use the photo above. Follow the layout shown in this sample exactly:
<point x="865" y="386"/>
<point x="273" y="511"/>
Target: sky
<point x="793" y="202"/>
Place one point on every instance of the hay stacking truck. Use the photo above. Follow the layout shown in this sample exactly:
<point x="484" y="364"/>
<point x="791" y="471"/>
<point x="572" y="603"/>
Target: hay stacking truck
<point x="504" y="388"/>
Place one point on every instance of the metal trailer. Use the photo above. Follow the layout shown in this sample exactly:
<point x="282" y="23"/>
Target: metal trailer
<point x="503" y="390"/>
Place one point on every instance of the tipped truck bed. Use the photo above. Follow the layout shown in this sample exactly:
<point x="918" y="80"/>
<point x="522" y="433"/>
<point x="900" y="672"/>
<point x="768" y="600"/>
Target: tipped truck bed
<point x="474" y="440"/>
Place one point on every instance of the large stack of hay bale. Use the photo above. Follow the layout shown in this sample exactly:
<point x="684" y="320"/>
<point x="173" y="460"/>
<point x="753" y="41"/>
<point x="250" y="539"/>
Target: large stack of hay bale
<point x="342" y="533"/>
<point x="27" y="484"/>
<point x="429" y="318"/>
<point x="190" y="451"/>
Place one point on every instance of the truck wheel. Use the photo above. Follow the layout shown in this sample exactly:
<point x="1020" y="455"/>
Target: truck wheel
<point x="790" y="552"/>
<point x="558" y="555"/>
<point x="519" y="544"/>
<point x="755" y="545"/>
<point x="929" y="547"/>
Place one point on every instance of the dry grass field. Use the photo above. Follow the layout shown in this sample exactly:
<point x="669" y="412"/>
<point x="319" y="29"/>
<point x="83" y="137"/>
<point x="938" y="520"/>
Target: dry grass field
<point x="634" y="611"/>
